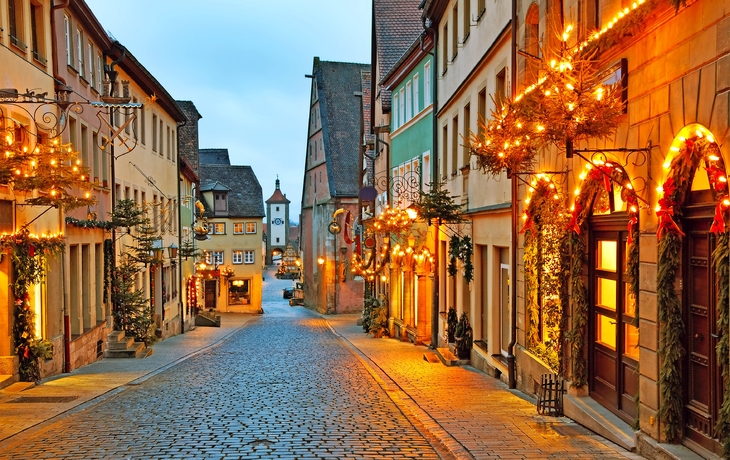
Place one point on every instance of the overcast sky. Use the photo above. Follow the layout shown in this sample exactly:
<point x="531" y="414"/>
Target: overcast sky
<point x="242" y="63"/>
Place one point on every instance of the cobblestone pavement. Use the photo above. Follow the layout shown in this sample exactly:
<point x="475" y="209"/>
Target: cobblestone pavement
<point x="290" y="384"/>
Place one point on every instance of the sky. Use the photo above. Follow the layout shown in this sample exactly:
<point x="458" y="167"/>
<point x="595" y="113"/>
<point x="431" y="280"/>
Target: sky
<point x="243" y="64"/>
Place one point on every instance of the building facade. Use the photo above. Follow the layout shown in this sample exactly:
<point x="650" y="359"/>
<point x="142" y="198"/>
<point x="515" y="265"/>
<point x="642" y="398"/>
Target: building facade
<point x="231" y="265"/>
<point x="331" y="184"/>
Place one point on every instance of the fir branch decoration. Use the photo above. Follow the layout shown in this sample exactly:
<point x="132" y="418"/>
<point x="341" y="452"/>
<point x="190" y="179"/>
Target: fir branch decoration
<point x="467" y="250"/>
<point x="29" y="256"/>
<point x="51" y="169"/>
<point x="89" y="223"/>
<point x="579" y="331"/>
<point x="454" y="249"/>
<point x="671" y="331"/>
<point x="438" y="205"/>
<point x="544" y="228"/>
<point x="721" y="261"/>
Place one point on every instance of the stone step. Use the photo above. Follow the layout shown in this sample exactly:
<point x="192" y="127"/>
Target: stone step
<point x="123" y="344"/>
<point x="17" y="387"/>
<point x="207" y="319"/>
<point x="6" y="381"/>
<point x="115" y="336"/>
<point x="133" y="351"/>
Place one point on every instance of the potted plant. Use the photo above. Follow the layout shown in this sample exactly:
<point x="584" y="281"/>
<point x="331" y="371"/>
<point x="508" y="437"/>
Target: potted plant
<point x="464" y="337"/>
<point x="451" y="320"/>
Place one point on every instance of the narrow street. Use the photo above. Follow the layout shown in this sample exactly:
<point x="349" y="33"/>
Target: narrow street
<point x="286" y="386"/>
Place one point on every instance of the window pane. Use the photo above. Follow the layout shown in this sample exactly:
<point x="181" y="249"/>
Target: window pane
<point x="606" y="256"/>
<point x="631" y="341"/>
<point x="629" y="301"/>
<point x="606" y="295"/>
<point x="606" y="331"/>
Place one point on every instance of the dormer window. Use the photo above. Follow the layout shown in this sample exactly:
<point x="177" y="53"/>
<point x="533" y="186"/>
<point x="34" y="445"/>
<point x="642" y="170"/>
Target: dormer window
<point x="221" y="202"/>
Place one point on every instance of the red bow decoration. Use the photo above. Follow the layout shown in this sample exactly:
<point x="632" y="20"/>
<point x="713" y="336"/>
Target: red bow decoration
<point x="666" y="222"/>
<point x="718" y="222"/>
<point x="632" y="223"/>
<point x="529" y="224"/>
<point x="348" y="228"/>
<point x="573" y="223"/>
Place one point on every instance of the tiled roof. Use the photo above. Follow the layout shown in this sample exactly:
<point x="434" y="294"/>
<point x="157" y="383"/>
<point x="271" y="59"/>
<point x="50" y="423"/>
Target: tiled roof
<point x="277" y="197"/>
<point x="214" y="157"/>
<point x="188" y="143"/>
<point x="340" y="111"/>
<point x="244" y="197"/>
<point x="397" y="25"/>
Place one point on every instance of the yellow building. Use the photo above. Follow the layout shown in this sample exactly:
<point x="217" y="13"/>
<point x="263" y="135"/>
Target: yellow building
<point x="231" y="265"/>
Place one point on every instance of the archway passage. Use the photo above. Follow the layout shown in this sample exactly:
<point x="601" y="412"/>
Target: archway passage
<point x="693" y="245"/>
<point x="276" y="256"/>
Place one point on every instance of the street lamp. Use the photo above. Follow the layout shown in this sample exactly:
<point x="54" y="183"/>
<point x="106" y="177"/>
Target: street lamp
<point x="172" y="251"/>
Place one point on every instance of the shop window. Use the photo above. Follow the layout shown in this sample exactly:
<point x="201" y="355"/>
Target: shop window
<point x="239" y="292"/>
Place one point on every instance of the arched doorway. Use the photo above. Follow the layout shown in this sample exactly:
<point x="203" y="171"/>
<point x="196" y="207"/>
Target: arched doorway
<point x="692" y="239"/>
<point x="605" y="236"/>
<point x="276" y="256"/>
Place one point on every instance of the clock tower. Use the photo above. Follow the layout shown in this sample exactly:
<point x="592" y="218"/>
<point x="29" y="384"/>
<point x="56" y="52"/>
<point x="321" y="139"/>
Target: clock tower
<point x="277" y="232"/>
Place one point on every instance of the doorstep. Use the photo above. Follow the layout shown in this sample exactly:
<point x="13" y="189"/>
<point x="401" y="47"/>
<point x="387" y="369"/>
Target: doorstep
<point x="590" y="414"/>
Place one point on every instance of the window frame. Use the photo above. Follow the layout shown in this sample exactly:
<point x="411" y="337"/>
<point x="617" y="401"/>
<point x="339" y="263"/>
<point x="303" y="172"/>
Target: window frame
<point x="255" y="228"/>
<point x="246" y="254"/>
<point x="216" y="225"/>
<point x="242" y="229"/>
<point x="237" y="256"/>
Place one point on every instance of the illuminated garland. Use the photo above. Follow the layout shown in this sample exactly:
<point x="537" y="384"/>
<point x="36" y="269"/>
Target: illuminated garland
<point x="569" y="103"/>
<point x="51" y="168"/>
<point x="29" y="255"/>
<point x="391" y="220"/>
<point x="597" y="183"/>
<point x="544" y="230"/>
<point x="692" y="149"/>
<point x="106" y="225"/>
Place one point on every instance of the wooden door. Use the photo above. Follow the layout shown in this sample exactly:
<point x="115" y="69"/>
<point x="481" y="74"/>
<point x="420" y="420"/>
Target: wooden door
<point x="614" y="340"/>
<point x="703" y="389"/>
<point x="210" y="294"/>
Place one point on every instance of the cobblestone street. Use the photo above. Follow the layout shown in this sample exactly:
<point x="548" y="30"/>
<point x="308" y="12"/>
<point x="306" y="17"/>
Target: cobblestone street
<point x="286" y="386"/>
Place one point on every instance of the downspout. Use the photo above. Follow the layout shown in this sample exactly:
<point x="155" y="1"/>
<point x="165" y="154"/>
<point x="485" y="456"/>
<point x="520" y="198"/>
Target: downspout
<point x="179" y="234"/>
<point x="112" y="74"/>
<point x="515" y="223"/>
<point x="58" y="81"/>
<point x="434" y="184"/>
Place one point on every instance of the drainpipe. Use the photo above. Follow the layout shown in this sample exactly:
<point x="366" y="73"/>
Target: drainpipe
<point x="179" y="235"/>
<point x="435" y="184"/>
<point x="58" y="81"/>
<point x="511" y="371"/>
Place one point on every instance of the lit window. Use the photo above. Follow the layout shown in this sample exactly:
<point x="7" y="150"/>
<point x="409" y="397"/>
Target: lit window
<point x="238" y="292"/>
<point x="238" y="228"/>
<point x="237" y="256"/>
<point x="248" y="257"/>
<point x="250" y="227"/>
<point x="219" y="228"/>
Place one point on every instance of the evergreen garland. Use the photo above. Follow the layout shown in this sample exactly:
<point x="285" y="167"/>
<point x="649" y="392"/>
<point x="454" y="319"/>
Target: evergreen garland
<point x="461" y="249"/>
<point x="577" y="336"/>
<point x="89" y="223"/>
<point x="108" y="264"/>
<point x="721" y="261"/>
<point x="671" y="331"/>
<point x="454" y="249"/>
<point x="29" y="256"/>
<point x="544" y="228"/>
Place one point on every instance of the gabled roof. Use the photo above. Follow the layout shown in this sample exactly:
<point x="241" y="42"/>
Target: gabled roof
<point x="340" y="111"/>
<point x="244" y="191"/>
<point x="396" y="26"/>
<point x="214" y="186"/>
<point x="214" y="157"/>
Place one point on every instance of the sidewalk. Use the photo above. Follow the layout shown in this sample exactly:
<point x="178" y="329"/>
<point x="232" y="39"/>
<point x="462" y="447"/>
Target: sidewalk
<point x="103" y="378"/>
<point x="471" y="413"/>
